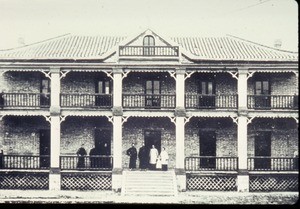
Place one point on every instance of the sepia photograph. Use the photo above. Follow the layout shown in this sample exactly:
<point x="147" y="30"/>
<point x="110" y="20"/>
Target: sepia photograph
<point x="164" y="102"/>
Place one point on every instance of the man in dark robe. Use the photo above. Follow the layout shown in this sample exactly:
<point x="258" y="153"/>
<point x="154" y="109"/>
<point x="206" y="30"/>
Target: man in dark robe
<point x="93" y="159"/>
<point x="81" y="153"/>
<point x="143" y="157"/>
<point x="132" y="153"/>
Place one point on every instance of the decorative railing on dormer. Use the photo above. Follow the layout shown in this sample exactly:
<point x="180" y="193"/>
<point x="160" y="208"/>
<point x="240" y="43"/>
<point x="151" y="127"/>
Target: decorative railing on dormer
<point x="149" y="51"/>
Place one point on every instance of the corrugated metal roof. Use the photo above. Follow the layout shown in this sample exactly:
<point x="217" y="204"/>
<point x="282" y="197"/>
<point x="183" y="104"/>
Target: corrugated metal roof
<point x="200" y="48"/>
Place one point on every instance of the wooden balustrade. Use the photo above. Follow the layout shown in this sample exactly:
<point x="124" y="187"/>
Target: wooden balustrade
<point x="149" y="100"/>
<point x="213" y="101"/>
<point x="162" y="51"/>
<point x="24" y="162"/>
<point x="272" y="101"/>
<point x="86" y="100"/>
<point x="212" y="163"/>
<point x="273" y="164"/>
<point x="97" y="162"/>
<point x="25" y="100"/>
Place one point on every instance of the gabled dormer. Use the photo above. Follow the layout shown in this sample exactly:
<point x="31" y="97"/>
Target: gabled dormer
<point x="148" y="46"/>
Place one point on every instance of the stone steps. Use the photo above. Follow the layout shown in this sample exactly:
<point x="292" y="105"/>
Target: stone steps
<point x="149" y="183"/>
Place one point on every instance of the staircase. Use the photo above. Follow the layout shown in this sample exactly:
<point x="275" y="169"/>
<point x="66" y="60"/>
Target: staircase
<point x="149" y="183"/>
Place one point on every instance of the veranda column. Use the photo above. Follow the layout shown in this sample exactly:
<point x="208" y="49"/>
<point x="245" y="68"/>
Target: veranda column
<point x="117" y="129"/>
<point x="180" y="130"/>
<point x="243" y="176"/>
<point x="54" y="176"/>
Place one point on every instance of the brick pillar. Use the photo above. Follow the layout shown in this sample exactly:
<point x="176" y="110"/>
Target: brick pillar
<point x="117" y="130"/>
<point x="243" y="176"/>
<point x="54" y="175"/>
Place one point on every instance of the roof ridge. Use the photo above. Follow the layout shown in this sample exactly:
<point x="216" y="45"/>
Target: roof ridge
<point x="252" y="42"/>
<point x="39" y="42"/>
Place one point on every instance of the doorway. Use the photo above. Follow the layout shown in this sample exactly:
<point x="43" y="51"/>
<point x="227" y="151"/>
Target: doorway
<point x="45" y="92"/>
<point x="207" y="141"/>
<point x="207" y="98"/>
<point x="44" y="148"/>
<point x="102" y="148"/>
<point x="152" y="137"/>
<point x="103" y="141"/>
<point x="262" y="150"/>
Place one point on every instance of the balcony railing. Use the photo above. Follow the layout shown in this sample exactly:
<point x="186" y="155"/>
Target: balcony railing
<point x="25" y="100"/>
<point x="213" y="101"/>
<point x="99" y="162"/>
<point x="273" y="164"/>
<point x="211" y="163"/>
<point x="86" y="100"/>
<point x="24" y="162"/>
<point x="162" y="51"/>
<point x="272" y="101"/>
<point x="149" y="100"/>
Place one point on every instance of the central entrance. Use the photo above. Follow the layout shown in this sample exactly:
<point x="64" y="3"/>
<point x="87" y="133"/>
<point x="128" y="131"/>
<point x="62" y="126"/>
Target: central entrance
<point x="152" y="137"/>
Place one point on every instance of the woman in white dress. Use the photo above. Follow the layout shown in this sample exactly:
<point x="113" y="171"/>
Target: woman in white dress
<point x="164" y="159"/>
<point x="153" y="157"/>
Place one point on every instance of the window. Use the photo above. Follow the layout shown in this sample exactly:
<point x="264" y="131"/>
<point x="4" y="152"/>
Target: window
<point x="103" y="93"/>
<point x="149" y="44"/>
<point x="262" y="94"/>
<point x="152" y="93"/>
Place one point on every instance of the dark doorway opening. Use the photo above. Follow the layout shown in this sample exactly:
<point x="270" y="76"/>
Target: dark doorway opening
<point x="153" y="138"/>
<point x="207" y="141"/>
<point x="262" y="150"/>
<point x="103" y="148"/>
<point x="44" y="148"/>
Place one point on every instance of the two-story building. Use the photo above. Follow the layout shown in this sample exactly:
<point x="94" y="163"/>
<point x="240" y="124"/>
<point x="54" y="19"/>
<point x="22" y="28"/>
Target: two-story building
<point x="225" y="109"/>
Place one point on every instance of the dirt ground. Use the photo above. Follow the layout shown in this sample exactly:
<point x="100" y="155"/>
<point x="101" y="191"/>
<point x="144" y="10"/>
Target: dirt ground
<point x="109" y="197"/>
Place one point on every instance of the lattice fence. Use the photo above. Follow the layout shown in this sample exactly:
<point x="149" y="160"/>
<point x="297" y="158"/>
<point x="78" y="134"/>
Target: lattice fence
<point x="86" y="182"/>
<point x="266" y="183"/>
<point x="24" y="181"/>
<point x="211" y="183"/>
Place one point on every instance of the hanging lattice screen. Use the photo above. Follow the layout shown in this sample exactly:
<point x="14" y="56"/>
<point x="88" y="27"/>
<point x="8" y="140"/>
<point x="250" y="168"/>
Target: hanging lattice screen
<point x="266" y="183"/>
<point x="86" y="181"/>
<point x="24" y="181"/>
<point x="211" y="183"/>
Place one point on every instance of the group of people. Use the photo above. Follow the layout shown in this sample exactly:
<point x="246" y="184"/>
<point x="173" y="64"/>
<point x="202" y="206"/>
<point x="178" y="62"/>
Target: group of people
<point x="95" y="160"/>
<point x="149" y="159"/>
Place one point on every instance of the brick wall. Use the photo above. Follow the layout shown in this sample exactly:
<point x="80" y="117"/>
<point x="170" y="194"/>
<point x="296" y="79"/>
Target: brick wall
<point x="225" y="83"/>
<point x="20" y="135"/>
<point x="79" y="82"/>
<point x="280" y="83"/>
<point x="226" y="136"/>
<point x="284" y="135"/>
<point x="135" y="83"/>
<point x="18" y="82"/>
<point x="81" y="130"/>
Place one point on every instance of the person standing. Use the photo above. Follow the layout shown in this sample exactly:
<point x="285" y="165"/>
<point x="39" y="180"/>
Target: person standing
<point x="81" y="153"/>
<point x="164" y="159"/>
<point x="143" y="157"/>
<point x="153" y="158"/>
<point x="132" y="153"/>
<point x="93" y="159"/>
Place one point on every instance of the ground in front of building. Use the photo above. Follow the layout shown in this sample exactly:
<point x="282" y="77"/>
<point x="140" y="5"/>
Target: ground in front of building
<point x="109" y="197"/>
